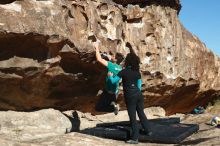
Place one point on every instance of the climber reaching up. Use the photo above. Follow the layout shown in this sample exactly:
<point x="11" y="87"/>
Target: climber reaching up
<point x="107" y="102"/>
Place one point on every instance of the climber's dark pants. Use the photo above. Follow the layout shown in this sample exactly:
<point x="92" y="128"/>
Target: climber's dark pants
<point x="136" y="103"/>
<point x="104" y="103"/>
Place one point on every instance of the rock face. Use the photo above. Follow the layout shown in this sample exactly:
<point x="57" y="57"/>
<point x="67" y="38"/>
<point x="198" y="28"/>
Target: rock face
<point x="47" y="58"/>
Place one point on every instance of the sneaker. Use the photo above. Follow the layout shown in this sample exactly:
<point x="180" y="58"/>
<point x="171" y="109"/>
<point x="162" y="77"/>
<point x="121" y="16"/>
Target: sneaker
<point x="132" y="141"/>
<point x="116" y="109"/>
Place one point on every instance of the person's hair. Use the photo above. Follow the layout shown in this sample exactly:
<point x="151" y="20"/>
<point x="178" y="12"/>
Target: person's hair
<point x="113" y="57"/>
<point x="133" y="61"/>
<point x="117" y="57"/>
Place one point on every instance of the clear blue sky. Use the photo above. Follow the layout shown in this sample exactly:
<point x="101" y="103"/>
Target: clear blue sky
<point x="202" y="18"/>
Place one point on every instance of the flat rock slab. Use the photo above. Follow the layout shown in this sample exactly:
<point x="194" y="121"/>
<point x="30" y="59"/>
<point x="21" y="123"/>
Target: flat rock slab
<point x="171" y="131"/>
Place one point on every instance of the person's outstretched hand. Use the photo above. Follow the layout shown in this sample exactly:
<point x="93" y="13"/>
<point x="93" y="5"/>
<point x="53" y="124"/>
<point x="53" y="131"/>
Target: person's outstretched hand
<point x="96" y="45"/>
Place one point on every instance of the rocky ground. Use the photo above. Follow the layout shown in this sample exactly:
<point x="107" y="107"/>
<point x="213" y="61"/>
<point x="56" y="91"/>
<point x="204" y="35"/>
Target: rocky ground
<point x="50" y="127"/>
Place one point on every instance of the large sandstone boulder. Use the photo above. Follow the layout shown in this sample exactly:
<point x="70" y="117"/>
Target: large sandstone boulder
<point x="55" y="64"/>
<point x="23" y="126"/>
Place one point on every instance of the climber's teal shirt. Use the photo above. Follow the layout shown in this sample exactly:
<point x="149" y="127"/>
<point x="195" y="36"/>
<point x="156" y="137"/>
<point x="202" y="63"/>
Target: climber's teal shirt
<point x="115" y="69"/>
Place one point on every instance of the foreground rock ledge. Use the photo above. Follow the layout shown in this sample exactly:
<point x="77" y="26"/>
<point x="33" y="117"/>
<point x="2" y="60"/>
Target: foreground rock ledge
<point x="23" y="126"/>
<point x="47" y="127"/>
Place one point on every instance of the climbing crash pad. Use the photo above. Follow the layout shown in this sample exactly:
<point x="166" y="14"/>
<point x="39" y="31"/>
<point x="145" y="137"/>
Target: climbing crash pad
<point x="164" y="131"/>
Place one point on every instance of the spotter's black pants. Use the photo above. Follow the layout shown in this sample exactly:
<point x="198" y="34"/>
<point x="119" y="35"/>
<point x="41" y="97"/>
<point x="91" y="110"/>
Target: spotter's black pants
<point x="136" y="103"/>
